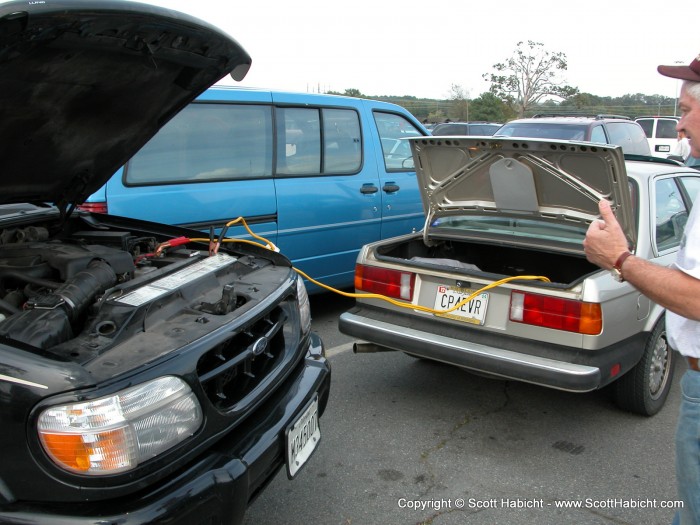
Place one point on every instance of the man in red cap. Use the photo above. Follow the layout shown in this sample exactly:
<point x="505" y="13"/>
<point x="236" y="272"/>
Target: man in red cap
<point x="677" y="288"/>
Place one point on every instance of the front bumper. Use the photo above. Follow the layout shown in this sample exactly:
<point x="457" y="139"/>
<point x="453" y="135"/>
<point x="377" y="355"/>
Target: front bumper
<point x="218" y="486"/>
<point x="553" y="366"/>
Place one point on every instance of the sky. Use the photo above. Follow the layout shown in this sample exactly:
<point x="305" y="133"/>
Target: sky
<point x="421" y="49"/>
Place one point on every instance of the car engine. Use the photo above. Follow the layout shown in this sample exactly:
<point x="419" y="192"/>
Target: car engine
<point x="77" y="296"/>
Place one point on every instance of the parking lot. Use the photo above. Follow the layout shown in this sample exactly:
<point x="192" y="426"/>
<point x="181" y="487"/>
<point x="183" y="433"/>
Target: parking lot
<point x="406" y="441"/>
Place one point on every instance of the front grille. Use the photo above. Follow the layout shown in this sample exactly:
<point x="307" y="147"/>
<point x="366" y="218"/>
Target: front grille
<point x="253" y="355"/>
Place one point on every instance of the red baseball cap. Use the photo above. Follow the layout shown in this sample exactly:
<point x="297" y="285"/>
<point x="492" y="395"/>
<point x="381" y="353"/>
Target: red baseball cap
<point x="689" y="72"/>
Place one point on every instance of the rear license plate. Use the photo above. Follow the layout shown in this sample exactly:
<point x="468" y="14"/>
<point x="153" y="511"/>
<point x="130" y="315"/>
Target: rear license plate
<point x="302" y="438"/>
<point x="473" y="311"/>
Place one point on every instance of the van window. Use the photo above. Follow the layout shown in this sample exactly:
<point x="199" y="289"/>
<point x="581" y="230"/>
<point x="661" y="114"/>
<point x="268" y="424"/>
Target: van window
<point x="666" y="129"/>
<point x="393" y="130"/>
<point x="342" y="144"/>
<point x="298" y="141"/>
<point x="647" y="126"/>
<point x="206" y="142"/>
<point x="299" y="132"/>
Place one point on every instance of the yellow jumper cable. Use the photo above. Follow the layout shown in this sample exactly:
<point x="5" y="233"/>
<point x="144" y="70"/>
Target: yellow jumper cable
<point x="403" y="304"/>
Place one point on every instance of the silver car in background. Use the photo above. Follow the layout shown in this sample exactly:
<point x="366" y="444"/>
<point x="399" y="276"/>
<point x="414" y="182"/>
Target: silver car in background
<point x="507" y="212"/>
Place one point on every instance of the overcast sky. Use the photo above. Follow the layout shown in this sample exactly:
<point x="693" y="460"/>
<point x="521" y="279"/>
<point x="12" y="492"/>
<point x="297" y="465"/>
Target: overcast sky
<point x="406" y="47"/>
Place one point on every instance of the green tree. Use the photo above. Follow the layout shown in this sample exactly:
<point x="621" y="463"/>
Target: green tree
<point x="352" y="92"/>
<point x="435" y="116"/>
<point x="349" y="92"/>
<point x="488" y="106"/>
<point x="530" y="75"/>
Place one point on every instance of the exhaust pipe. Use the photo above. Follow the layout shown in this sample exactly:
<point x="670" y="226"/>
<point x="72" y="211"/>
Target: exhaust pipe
<point x="370" y="348"/>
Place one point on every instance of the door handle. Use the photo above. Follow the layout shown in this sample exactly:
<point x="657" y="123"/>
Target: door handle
<point x="368" y="189"/>
<point x="390" y="187"/>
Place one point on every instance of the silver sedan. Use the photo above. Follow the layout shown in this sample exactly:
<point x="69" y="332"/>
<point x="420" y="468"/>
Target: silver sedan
<point x="497" y="281"/>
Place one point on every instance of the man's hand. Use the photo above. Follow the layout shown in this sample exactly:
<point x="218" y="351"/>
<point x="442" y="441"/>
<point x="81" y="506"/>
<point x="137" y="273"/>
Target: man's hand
<point x="605" y="241"/>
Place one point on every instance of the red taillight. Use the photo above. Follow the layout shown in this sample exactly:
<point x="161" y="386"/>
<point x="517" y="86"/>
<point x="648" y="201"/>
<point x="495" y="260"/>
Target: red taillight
<point x="94" y="207"/>
<point x="556" y="313"/>
<point x="392" y="283"/>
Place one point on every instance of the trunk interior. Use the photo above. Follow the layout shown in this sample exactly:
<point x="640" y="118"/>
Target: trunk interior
<point x="563" y="270"/>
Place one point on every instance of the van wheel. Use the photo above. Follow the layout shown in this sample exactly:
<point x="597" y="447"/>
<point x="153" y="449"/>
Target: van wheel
<point x="644" y="389"/>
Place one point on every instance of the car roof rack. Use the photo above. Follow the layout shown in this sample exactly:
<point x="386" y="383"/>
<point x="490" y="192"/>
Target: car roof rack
<point x="598" y="116"/>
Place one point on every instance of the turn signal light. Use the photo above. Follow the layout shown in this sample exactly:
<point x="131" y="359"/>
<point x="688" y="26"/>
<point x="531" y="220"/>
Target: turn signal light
<point x="556" y="313"/>
<point x="117" y="433"/>
<point x="384" y="281"/>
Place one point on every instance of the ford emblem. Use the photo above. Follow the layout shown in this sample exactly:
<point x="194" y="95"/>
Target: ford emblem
<point x="260" y="346"/>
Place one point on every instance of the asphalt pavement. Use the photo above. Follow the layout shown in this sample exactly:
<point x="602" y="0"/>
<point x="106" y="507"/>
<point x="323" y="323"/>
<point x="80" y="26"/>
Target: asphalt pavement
<point x="409" y="441"/>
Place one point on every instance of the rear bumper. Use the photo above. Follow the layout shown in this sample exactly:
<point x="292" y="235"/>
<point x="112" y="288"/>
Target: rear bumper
<point x="218" y="487"/>
<point x="563" y="368"/>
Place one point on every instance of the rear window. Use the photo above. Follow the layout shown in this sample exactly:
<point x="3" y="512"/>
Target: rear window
<point x="666" y="129"/>
<point x="451" y="129"/>
<point x="647" y="125"/>
<point x="630" y="136"/>
<point x="484" y="129"/>
<point x="512" y="227"/>
<point x="542" y="130"/>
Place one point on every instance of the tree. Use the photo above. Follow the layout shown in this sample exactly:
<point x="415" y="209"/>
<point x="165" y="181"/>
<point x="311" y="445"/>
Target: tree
<point x="459" y="107"/>
<point x="530" y="75"/>
<point x="435" y="116"/>
<point x="349" y="92"/>
<point x="352" y="92"/>
<point x="490" y="108"/>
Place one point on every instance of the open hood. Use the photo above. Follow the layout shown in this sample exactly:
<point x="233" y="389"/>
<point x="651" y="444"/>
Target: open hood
<point x="85" y="84"/>
<point x="542" y="180"/>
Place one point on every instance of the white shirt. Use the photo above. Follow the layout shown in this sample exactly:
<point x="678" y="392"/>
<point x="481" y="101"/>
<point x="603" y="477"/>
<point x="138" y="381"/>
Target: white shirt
<point x="682" y="148"/>
<point x="684" y="334"/>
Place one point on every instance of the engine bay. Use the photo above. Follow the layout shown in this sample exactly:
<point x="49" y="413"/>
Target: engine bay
<point x="79" y="295"/>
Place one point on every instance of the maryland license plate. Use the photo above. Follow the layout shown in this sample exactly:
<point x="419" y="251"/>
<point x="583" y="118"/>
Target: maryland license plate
<point x="302" y="438"/>
<point x="473" y="311"/>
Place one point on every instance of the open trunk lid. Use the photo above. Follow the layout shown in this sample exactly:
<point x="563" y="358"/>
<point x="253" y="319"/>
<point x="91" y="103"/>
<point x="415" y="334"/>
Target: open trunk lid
<point x="546" y="182"/>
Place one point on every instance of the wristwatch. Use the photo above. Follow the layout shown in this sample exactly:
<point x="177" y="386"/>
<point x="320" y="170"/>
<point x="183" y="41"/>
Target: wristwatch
<point x="617" y="267"/>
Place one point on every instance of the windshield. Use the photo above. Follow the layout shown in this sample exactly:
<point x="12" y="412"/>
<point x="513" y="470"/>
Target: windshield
<point x="512" y="227"/>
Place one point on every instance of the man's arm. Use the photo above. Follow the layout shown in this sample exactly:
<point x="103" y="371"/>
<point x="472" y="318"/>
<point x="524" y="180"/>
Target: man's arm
<point x="669" y="287"/>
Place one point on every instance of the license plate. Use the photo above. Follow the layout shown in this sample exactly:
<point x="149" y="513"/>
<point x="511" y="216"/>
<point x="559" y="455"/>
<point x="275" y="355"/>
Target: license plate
<point x="302" y="438"/>
<point x="473" y="311"/>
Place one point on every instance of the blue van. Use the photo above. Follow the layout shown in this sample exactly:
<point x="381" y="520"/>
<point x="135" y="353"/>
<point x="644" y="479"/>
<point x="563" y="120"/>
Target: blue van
<point x="318" y="175"/>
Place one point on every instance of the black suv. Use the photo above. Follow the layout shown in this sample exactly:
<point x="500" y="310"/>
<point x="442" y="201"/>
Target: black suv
<point x="473" y="128"/>
<point x="148" y="373"/>
<point x="604" y="129"/>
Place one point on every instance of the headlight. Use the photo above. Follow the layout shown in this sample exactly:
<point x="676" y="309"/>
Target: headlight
<point x="116" y="433"/>
<point x="304" y="306"/>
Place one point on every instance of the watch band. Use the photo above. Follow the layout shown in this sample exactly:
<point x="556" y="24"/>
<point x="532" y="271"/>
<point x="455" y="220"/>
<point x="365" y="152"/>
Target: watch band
<point x="618" y="264"/>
